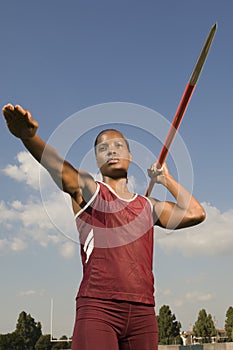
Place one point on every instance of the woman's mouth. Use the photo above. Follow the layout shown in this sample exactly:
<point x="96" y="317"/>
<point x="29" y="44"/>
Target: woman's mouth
<point x="112" y="160"/>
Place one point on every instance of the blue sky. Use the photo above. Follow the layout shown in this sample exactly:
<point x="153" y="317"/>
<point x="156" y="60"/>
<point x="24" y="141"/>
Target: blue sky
<point x="59" y="58"/>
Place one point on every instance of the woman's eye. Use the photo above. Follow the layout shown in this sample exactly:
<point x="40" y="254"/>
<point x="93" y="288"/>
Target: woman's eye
<point x="102" y="148"/>
<point x="119" y="144"/>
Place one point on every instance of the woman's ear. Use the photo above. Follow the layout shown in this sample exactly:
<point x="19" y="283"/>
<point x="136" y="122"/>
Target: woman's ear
<point x="130" y="157"/>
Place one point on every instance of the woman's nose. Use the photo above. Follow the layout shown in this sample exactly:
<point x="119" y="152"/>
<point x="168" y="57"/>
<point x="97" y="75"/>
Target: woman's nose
<point x="111" y="151"/>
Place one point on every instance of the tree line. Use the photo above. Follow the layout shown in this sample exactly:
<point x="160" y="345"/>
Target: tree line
<point x="28" y="333"/>
<point x="204" y="328"/>
<point x="28" y="336"/>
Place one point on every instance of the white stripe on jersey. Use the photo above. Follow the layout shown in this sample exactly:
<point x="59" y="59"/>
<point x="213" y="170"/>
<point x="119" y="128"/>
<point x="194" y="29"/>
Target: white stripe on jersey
<point x="89" y="245"/>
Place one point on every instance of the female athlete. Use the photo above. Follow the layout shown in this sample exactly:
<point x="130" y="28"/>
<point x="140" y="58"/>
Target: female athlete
<point x="115" y="301"/>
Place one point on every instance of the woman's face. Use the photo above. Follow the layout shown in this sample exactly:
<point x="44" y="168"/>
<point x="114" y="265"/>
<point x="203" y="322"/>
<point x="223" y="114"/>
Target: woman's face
<point x="112" y="154"/>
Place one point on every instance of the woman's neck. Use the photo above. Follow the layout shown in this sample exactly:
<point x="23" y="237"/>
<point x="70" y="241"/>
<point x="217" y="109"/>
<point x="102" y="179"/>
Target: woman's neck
<point x="119" y="186"/>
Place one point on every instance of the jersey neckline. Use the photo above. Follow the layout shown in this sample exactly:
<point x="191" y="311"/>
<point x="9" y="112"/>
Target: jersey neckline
<point x="112" y="190"/>
<point x="97" y="191"/>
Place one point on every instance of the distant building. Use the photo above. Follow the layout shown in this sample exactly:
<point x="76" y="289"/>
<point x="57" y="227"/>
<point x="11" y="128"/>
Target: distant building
<point x="188" y="337"/>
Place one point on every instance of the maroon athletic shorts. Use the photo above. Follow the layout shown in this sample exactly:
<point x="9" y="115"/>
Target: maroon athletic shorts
<point x="114" y="325"/>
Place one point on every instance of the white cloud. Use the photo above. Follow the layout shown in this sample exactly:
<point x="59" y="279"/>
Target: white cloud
<point x="27" y="292"/>
<point x="7" y="214"/>
<point x="24" y="223"/>
<point x="212" y="237"/>
<point x="19" y="229"/>
<point x="179" y="300"/>
<point x="30" y="292"/>
<point x="18" y="244"/>
<point x="3" y="244"/>
<point x="45" y="218"/>
<point x="14" y="244"/>
<point x="67" y="249"/>
<point x="192" y="298"/>
<point x="197" y="296"/>
<point x="28" y="170"/>
<point x="206" y="297"/>
<point x="164" y="292"/>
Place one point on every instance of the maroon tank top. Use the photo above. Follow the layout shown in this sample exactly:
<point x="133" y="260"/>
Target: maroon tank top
<point x="116" y="239"/>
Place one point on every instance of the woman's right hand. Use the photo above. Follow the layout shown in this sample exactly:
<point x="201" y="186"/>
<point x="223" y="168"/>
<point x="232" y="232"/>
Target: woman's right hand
<point x="158" y="175"/>
<point x="19" y="121"/>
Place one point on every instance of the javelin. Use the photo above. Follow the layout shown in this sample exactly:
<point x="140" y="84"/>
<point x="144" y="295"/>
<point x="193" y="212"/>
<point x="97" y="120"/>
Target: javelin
<point x="183" y="103"/>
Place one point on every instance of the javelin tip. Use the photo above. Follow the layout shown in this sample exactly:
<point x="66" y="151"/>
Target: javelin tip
<point x="203" y="55"/>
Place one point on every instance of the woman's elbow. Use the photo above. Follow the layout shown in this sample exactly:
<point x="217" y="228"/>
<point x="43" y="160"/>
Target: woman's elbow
<point x="198" y="215"/>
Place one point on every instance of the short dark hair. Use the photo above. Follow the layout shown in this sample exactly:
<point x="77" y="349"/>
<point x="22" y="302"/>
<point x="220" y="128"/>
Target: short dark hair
<point x="115" y="130"/>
